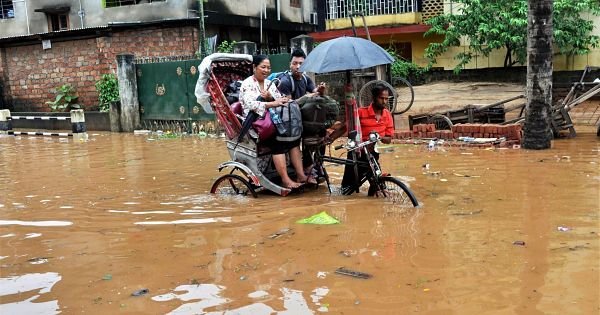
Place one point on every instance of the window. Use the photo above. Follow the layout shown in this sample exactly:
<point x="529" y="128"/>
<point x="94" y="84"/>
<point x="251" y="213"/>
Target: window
<point x="295" y="3"/>
<point x="57" y="22"/>
<point x="120" y="3"/>
<point x="7" y="10"/>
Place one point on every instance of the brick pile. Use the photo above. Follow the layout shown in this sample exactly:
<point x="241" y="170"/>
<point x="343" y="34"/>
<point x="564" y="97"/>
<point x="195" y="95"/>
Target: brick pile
<point x="512" y="133"/>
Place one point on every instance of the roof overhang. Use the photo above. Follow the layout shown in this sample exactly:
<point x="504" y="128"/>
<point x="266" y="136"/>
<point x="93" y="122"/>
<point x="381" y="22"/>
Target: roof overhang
<point x="55" y="9"/>
<point x="373" y="31"/>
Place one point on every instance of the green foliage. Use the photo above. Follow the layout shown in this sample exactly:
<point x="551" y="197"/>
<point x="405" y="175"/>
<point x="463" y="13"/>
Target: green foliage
<point x="108" y="91"/>
<point x="488" y="25"/>
<point x="65" y="99"/>
<point x="403" y="68"/>
<point x="226" y="47"/>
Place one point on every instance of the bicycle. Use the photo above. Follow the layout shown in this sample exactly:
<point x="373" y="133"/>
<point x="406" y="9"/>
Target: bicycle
<point x="381" y="184"/>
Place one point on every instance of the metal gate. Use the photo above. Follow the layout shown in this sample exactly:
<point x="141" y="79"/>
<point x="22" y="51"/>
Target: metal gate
<point x="166" y="93"/>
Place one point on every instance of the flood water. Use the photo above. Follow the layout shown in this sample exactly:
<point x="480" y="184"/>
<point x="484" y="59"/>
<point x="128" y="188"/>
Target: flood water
<point x="83" y="225"/>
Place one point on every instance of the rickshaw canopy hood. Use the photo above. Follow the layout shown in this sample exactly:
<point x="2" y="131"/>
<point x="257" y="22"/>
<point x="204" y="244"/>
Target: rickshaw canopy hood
<point x="202" y="97"/>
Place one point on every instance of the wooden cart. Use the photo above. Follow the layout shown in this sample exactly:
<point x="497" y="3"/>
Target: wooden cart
<point x="494" y="113"/>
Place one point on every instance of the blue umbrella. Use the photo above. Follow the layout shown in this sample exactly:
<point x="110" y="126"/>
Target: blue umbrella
<point x="345" y="53"/>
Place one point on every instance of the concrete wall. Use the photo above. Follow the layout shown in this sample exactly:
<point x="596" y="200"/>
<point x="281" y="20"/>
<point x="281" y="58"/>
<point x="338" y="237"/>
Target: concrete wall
<point x="96" y="15"/>
<point x="32" y="74"/>
<point x="94" y="121"/>
<point x="252" y="8"/>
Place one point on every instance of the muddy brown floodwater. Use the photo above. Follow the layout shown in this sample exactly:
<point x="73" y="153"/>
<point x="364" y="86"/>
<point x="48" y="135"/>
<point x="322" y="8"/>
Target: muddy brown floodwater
<point x="83" y="225"/>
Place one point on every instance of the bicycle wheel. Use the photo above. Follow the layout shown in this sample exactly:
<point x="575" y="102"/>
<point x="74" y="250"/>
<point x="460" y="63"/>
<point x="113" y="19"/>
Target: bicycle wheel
<point x="365" y="98"/>
<point x="406" y="96"/>
<point x="397" y="192"/>
<point x="441" y="122"/>
<point x="231" y="184"/>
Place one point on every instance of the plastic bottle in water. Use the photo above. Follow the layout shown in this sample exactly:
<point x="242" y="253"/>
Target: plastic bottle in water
<point x="277" y="121"/>
<point x="431" y="145"/>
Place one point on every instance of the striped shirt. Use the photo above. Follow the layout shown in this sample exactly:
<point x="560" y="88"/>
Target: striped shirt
<point x="384" y="126"/>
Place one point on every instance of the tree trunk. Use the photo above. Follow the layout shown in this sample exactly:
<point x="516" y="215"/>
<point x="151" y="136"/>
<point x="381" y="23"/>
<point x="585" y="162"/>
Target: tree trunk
<point x="537" y="131"/>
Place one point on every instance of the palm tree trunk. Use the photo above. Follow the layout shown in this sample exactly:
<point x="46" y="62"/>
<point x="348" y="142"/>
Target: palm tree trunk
<point x="537" y="132"/>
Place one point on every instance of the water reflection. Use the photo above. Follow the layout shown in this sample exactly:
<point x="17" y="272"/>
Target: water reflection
<point x="210" y="296"/>
<point x="141" y="212"/>
<point x="36" y="284"/>
<point x="35" y="223"/>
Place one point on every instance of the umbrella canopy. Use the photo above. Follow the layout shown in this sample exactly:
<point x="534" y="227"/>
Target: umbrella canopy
<point x="345" y="53"/>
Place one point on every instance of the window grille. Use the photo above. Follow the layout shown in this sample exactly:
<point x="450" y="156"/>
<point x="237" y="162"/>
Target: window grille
<point x="120" y="3"/>
<point x="338" y="9"/>
<point x="7" y="10"/>
<point x="433" y="8"/>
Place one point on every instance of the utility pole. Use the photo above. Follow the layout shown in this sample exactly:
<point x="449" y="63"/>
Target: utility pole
<point x="201" y="34"/>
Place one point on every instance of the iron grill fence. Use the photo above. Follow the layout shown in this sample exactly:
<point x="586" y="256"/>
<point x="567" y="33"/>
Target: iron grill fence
<point x="337" y="9"/>
<point x="7" y="10"/>
<point x="119" y="3"/>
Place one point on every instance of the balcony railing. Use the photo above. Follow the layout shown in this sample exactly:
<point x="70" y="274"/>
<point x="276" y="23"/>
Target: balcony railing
<point x="338" y="9"/>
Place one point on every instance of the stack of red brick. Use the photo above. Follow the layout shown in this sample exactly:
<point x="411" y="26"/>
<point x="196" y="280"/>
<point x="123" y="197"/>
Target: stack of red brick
<point x="510" y="132"/>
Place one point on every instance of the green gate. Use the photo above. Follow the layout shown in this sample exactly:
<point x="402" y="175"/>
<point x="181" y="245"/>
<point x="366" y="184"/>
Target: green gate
<point x="166" y="91"/>
<point x="280" y="62"/>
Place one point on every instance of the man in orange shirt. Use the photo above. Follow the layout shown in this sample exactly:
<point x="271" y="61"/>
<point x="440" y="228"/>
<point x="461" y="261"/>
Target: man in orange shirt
<point x="374" y="118"/>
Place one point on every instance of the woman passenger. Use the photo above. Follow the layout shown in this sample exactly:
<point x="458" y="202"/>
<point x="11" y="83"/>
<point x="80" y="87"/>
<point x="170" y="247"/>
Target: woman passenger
<point x="255" y="86"/>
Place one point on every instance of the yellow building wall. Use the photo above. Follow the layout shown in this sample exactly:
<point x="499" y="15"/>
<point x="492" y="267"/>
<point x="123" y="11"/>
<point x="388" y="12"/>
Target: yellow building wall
<point x="376" y="20"/>
<point x="496" y="58"/>
<point x="447" y="61"/>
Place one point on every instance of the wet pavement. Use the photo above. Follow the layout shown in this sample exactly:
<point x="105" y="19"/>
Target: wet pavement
<point x="84" y="225"/>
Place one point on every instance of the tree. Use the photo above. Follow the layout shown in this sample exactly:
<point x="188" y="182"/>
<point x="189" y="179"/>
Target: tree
<point x="489" y="25"/>
<point x="537" y="132"/>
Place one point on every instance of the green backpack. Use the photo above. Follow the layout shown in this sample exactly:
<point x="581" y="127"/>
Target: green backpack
<point x="318" y="113"/>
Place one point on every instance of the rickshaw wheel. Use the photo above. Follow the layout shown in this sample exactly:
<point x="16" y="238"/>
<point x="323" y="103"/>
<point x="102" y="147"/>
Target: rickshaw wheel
<point x="231" y="184"/>
<point x="397" y="192"/>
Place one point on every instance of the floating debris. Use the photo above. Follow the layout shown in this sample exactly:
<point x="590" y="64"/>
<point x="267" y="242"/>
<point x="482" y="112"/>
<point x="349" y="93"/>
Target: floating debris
<point x="468" y="213"/>
<point x="319" y="218"/>
<point x="352" y="273"/>
<point x="280" y="233"/>
<point x="464" y="175"/>
<point x="140" y="292"/>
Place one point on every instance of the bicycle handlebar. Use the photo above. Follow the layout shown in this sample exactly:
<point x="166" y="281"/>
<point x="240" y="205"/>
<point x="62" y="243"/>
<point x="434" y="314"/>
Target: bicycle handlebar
<point x="356" y="147"/>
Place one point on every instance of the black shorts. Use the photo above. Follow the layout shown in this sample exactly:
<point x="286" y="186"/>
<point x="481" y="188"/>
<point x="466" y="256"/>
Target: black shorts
<point x="280" y="147"/>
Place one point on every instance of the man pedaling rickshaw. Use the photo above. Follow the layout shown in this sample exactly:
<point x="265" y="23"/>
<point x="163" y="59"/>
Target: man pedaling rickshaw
<point x="373" y="118"/>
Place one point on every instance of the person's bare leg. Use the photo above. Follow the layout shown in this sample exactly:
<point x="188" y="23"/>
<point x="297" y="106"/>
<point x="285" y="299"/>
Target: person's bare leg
<point x="296" y="157"/>
<point x="286" y="181"/>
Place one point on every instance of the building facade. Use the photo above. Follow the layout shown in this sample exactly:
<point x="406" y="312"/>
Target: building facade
<point x="400" y="24"/>
<point x="48" y="43"/>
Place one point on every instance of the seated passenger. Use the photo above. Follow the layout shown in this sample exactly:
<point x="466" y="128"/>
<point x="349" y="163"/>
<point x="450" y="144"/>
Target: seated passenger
<point x="297" y="84"/>
<point x="252" y="88"/>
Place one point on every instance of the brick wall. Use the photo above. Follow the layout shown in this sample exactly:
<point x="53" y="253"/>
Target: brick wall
<point x="3" y="104"/>
<point x="33" y="73"/>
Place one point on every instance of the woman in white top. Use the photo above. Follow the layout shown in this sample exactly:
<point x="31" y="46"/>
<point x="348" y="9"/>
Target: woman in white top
<point x="255" y="86"/>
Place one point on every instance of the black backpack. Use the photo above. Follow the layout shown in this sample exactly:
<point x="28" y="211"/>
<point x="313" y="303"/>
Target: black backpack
<point x="291" y="118"/>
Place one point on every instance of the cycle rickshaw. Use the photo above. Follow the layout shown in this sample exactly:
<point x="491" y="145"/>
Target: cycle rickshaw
<point x="250" y="169"/>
